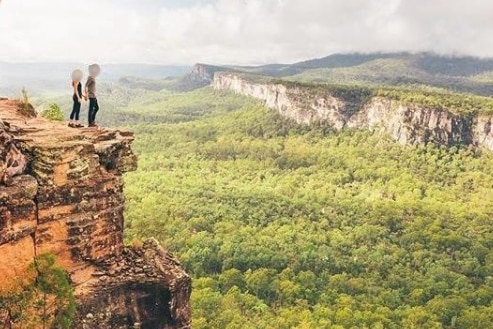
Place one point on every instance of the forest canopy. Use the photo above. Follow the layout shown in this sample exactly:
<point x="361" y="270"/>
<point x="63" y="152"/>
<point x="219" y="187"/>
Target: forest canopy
<point x="286" y="226"/>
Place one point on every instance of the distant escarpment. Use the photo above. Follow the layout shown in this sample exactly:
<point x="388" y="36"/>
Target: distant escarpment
<point x="417" y="120"/>
<point x="200" y="76"/>
<point x="61" y="192"/>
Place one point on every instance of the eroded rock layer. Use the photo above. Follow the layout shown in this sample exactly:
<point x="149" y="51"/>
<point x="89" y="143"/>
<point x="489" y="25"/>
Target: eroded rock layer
<point x="407" y="123"/>
<point x="68" y="200"/>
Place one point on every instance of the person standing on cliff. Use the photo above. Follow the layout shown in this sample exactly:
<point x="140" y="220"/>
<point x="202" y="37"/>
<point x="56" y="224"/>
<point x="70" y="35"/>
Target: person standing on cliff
<point x="94" y="71"/>
<point x="77" y="76"/>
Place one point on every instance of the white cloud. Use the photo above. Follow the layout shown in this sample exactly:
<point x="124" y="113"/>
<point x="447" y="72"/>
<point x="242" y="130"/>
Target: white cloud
<point x="237" y="31"/>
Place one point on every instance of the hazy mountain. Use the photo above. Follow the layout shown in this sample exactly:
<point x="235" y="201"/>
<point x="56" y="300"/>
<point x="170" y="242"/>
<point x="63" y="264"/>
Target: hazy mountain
<point x="52" y="77"/>
<point x="460" y="74"/>
<point x="456" y="73"/>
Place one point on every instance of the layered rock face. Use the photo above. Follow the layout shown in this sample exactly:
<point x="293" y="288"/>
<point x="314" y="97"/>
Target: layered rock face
<point x="68" y="200"/>
<point x="406" y="123"/>
<point x="200" y="76"/>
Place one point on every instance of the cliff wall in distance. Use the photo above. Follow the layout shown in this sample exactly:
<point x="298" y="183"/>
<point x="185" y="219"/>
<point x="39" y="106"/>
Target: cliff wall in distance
<point x="341" y="107"/>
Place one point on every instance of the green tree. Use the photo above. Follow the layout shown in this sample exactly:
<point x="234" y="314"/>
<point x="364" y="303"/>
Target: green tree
<point x="46" y="300"/>
<point x="54" y="112"/>
<point x="420" y="318"/>
<point x="231" y="278"/>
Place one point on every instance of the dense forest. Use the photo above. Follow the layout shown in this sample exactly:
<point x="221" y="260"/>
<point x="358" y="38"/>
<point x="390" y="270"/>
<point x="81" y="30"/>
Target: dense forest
<point x="284" y="226"/>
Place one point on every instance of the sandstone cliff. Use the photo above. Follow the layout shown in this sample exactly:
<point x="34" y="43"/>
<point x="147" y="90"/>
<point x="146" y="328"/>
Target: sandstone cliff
<point x="407" y="123"/>
<point x="200" y="76"/>
<point x="62" y="192"/>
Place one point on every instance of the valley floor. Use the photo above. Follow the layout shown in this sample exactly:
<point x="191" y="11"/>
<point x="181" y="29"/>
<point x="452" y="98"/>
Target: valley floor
<point x="283" y="226"/>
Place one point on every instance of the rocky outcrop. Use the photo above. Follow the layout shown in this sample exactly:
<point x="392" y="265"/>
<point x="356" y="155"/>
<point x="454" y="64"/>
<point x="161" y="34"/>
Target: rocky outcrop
<point x="68" y="200"/>
<point x="143" y="288"/>
<point x="407" y="123"/>
<point x="12" y="161"/>
<point x="415" y="124"/>
<point x="200" y="76"/>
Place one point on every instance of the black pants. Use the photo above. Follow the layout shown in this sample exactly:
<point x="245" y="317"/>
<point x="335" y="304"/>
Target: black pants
<point x="93" y="109"/>
<point x="75" y="110"/>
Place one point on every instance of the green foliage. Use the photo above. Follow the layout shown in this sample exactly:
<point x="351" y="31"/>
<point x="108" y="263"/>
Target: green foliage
<point x="283" y="226"/>
<point x="458" y="103"/>
<point x="168" y="107"/>
<point x="145" y="84"/>
<point x="54" y="112"/>
<point x="47" y="300"/>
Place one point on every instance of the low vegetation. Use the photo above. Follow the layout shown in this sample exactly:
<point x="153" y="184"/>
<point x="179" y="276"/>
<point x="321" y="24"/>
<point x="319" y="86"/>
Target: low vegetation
<point x="457" y="103"/>
<point x="54" y="112"/>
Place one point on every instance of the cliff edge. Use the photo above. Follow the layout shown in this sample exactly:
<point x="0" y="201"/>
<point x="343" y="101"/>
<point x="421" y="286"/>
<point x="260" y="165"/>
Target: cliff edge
<point x="339" y="108"/>
<point x="61" y="192"/>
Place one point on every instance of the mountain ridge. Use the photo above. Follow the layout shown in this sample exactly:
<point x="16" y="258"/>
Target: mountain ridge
<point x="463" y="74"/>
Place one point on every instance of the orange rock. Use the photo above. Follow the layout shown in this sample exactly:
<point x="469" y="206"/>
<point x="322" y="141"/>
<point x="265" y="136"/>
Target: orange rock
<point x="16" y="257"/>
<point x="69" y="202"/>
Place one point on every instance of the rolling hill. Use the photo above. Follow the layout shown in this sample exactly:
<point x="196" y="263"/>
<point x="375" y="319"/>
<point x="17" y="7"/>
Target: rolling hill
<point x="53" y="78"/>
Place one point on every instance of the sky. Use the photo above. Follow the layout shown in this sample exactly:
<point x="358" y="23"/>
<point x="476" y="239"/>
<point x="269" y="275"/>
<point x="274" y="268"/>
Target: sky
<point x="184" y="32"/>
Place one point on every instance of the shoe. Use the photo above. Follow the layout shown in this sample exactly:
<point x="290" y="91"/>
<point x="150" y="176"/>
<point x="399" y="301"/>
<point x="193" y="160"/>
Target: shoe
<point x="79" y="126"/>
<point x="71" y="125"/>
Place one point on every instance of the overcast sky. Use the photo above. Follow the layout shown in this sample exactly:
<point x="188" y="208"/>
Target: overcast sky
<point x="237" y="31"/>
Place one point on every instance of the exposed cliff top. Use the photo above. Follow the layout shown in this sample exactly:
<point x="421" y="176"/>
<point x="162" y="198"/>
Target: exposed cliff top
<point x="36" y="131"/>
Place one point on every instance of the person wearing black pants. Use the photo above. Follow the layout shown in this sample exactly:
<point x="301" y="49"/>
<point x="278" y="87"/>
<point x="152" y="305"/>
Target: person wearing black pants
<point x="93" y="109"/>
<point x="94" y="71"/>
<point x="77" y="98"/>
